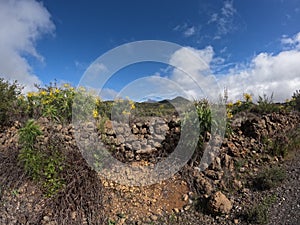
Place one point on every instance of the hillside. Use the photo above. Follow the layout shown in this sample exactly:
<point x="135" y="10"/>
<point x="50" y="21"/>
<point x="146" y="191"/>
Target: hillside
<point x="53" y="171"/>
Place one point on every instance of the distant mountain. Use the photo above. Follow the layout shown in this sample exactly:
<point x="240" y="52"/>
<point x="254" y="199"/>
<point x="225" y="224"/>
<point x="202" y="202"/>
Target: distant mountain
<point x="178" y="99"/>
<point x="150" y="101"/>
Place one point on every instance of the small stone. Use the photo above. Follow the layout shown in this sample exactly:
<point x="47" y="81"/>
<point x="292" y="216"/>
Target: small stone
<point x="176" y="210"/>
<point x="242" y="169"/>
<point x="59" y="127"/>
<point x="136" y="145"/>
<point x="236" y="221"/>
<point x="135" y="130"/>
<point x="46" y="218"/>
<point x="73" y="215"/>
<point x="237" y="184"/>
<point x="105" y="184"/>
<point x="154" y="217"/>
<point x="185" y="197"/>
<point x="187" y="207"/>
<point x="145" y="150"/>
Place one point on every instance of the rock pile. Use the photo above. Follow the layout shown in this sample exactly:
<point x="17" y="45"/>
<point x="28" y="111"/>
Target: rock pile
<point x="149" y="139"/>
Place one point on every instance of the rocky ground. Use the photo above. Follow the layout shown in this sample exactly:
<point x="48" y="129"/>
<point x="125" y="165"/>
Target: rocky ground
<point x="225" y="193"/>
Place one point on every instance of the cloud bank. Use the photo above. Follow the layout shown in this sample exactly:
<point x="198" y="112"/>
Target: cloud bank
<point x="266" y="73"/>
<point x="22" y="23"/>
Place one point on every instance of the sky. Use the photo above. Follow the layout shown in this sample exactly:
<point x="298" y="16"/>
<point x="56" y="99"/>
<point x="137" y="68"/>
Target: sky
<point x="248" y="46"/>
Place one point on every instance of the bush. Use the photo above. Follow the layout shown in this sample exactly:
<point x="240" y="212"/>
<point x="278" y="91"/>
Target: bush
<point x="296" y="100"/>
<point x="10" y="95"/>
<point x="269" y="178"/>
<point x="265" y="105"/>
<point x="204" y="115"/>
<point x="259" y="213"/>
<point x="42" y="167"/>
<point x="52" y="102"/>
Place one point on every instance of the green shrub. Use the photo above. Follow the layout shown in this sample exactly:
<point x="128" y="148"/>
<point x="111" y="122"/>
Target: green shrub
<point x="10" y="95"/>
<point x="204" y="115"/>
<point x="52" y="101"/>
<point x="259" y="213"/>
<point x="269" y="178"/>
<point x="29" y="133"/>
<point x="279" y="147"/>
<point x="296" y="100"/>
<point x="42" y="167"/>
<point x="265" y="105"/>
<point x="240" y="106"/>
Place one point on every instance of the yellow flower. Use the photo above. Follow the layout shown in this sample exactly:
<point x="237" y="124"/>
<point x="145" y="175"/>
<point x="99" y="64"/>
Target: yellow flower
<point x="98" y="101"/>
<point x="125" y="112"/>
<point x="45" y="102"/>
<point x="230" y="105"/>
<point x="95" y="114"/>
<point x="43" y="93"/>
<point x="238" y="103"/>
<point x="57" y="90"/>
<point x="66" y="85"/>
<point x="132" y="106"/>
<point x="30" y="94"/>
<point x="81" y="89"/>
<point x="247" y="97"/>
<point x="229" y="115"/>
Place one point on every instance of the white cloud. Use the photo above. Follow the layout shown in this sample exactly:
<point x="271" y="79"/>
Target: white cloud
<point x="189" y="32"/>
<point x="22" y="23"/>
<point x="224" y="19"/>
<point x="228" y="10"/>
<point x="291" y="42"/>
<point x="266" y="74"/>
<point x="213" y="18"/>
<point x="186" y="30"/>
<point x="193" y="72"/>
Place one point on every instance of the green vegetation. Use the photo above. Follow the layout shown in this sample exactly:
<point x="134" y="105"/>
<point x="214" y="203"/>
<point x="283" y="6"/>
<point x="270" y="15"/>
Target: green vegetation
<point x="204" y="116"/>
<point x="296" y="100"/>
<point x="43" y="167"/>
<point x="265" y="105"/>
<point x="259" y="213"/>
<point x="61" y="104"/>
<point x="52" y="102"/>
<point x="11" y="101"/>
<point x="239" y="106"/>
<point x="269" y="178"/>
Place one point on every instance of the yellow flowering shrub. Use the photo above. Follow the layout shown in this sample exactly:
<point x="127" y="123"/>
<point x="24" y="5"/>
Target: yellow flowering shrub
<point x="248" y="97"/>
<point x="122" y="109"/>
<point x="51" y="101"/>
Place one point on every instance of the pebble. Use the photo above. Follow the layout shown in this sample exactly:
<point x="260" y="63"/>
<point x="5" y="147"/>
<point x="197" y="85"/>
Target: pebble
<point x="185" y="197"/>
<point x="46" y="218"/>
<point x="154" y="217"/>
<point x="176" y="210"/>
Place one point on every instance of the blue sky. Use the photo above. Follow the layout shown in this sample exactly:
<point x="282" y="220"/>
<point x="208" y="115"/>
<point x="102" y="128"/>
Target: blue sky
<point x="250" y="45"/>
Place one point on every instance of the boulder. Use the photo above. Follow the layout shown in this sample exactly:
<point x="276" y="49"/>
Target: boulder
<point x="219" y="204"/>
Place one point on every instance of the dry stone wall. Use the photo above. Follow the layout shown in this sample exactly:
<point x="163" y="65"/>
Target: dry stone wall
<point x="147" y="139"/>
